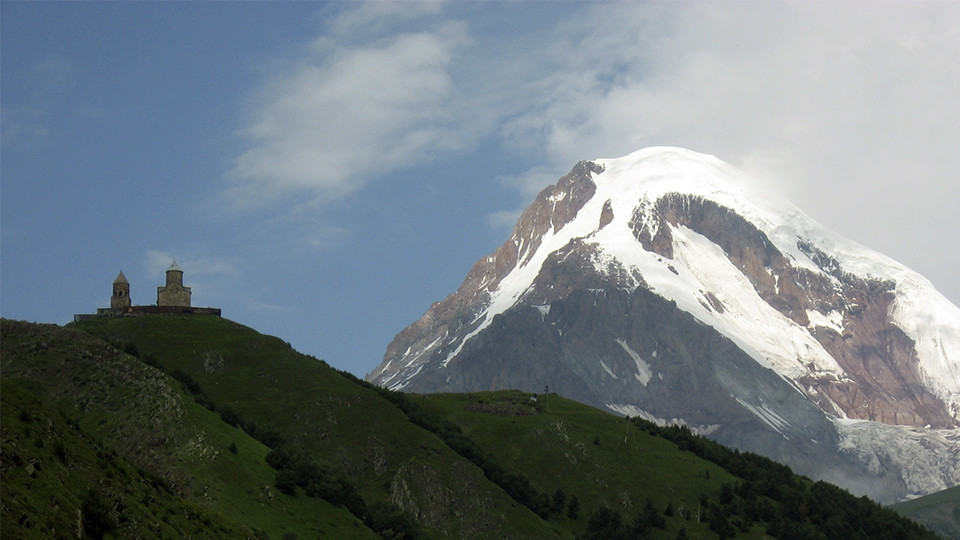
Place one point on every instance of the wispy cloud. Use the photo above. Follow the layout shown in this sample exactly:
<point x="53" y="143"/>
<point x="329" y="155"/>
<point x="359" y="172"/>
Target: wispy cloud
<point x="156" y="263"/>
<point x="861" y="94"/>
<point x="21" y="124"/>
<point x="504" y="219"/>
<point x="785" y="86"/>
<point x="351" y="109"/>
<point x="859" y="100"/>
<point x="50" y="83"/>
<point x="295" y="231"/>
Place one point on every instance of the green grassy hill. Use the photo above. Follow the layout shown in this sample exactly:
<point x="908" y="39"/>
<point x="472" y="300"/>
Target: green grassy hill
<point x="939" y="511"/>
<point x="260" y="382"/>
<point x="567" y="449"/>
<point x="235" y="428"/>
<point x="59" y="483"/>
<point x="147" y="418"/>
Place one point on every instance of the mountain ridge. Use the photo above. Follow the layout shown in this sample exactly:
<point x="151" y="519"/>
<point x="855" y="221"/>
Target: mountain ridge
<point x="538" y="465"/>
<point x="854" y="332"/>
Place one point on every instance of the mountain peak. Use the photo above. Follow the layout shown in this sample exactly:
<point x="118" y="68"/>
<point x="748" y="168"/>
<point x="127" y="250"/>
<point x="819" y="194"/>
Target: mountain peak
<point x="653" y="172"/>
<point x="662" y="284"/>
<point x="664" y="166"/>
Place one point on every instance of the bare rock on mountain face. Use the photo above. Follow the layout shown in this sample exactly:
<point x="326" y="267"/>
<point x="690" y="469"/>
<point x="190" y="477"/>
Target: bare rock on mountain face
<point x="658" y="285"/>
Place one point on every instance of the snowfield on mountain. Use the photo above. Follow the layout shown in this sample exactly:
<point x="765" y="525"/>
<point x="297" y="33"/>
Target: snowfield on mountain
<point x="664" y="285"/>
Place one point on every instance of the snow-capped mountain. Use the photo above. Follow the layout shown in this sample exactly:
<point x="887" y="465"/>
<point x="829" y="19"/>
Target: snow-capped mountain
<point x="659" y="285"/>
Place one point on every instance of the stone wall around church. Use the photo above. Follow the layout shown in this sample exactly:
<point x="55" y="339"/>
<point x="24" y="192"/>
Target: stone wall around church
<point x="147" y="310"/>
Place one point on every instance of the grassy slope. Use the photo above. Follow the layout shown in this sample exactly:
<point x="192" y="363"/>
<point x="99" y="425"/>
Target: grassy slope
<point x="348" y="427"/>
<point x="939" y="511"/>
<point x="55" y="478"/>
<point x="602" y="458"/>
<point x="621" y="464"/>
<point x="145" y="417"/>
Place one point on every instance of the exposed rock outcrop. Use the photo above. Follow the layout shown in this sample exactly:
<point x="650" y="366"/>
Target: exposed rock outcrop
<point x="654" y="285"/>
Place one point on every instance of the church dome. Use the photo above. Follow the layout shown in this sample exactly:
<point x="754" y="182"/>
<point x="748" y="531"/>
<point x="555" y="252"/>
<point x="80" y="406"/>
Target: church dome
<point x="121" y="278"/>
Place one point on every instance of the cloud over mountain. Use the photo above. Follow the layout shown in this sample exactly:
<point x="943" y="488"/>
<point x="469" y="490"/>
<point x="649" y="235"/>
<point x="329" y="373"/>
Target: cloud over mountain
<point x="815" y="95"/>
<point x="659" y="285"/>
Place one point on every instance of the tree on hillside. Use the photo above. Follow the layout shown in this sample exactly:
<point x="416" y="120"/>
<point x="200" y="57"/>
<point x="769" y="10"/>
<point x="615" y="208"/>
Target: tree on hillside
<point x="559" y="501"/>
<point x="573" y="508"/>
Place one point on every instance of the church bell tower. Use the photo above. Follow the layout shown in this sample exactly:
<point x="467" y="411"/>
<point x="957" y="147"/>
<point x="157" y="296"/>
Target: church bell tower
<point x="173" y="293"/>
<point x="121" y="292"/>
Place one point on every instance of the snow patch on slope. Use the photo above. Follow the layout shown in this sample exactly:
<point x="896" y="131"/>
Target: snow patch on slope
<point x="640" y="179"/>
<point x="766" y="415"/>
<point x="607" y="369"/>
<point x="636" y="412"/>
<point x="832" y="320"/>
<point x="643" y="373"/>
<point x="933" y="322"/>
<point x="699" y="265"/>
<point x="763" y="332"/>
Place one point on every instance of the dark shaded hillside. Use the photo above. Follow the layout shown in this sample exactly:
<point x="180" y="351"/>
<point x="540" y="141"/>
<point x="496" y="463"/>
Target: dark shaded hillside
<point x="938" y="511"/>
<point x="145" y="417"/>
<point x="238" y="429"/>
<point x="284" y="397"/>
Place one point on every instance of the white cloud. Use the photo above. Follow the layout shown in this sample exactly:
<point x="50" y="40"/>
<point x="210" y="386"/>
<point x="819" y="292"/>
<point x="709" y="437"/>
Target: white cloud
<point x="363" y="19"/>
<point x="788" y="85"/>
<point x="739" y="79"/>
<point x="351" y="110"/>
<point x="852" y="108"/>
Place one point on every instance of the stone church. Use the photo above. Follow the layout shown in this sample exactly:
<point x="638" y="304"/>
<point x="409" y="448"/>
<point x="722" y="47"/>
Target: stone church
<point x="121" y="292"/>
<point x="171" y="298"/>
<point x="173" y="293"/>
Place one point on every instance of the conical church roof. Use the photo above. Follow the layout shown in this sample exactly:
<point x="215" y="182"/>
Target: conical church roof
<point x="121" y="278"/>
<point x="175" y="266"/>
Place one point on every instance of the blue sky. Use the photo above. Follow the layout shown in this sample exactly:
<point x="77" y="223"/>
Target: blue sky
<point x="323" y="172"/>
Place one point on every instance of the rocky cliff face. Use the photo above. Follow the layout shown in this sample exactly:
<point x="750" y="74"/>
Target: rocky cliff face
<point x="655" y="285"/>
